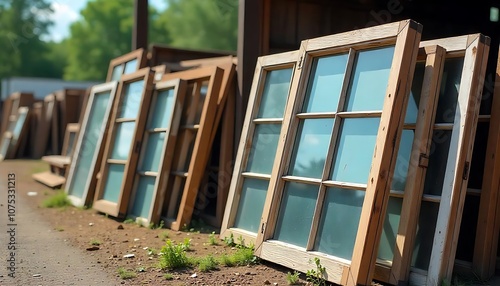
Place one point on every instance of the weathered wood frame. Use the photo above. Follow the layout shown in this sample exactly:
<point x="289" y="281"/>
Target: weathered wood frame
<point x="139" y="55"/>
<point x="202" y="143"/>
<point x="264" y="65"/>
<point x="119" y="208"/>
<point x="72" y="129"/>
<point x="179" y="88"/>
<point x="17" y="137"/>
<point x="88" y="189"/>
<point x="44" y="126"/>
<point x="405" y="35"/>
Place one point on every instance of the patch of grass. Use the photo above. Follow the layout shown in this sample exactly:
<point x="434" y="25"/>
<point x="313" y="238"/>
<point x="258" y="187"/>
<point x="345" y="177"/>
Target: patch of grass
<point x="168" y="276"/>
<point x="229" y="241"/>
<point x="316" y="276"/>
<point x="186" y="244"/>
<point x="95" y="242"/>
<point x="152" y="251"/>
<point x="164" y="235"/>
<point x="159" y="226"/>
<point x="58" y="200"/>
<point x="243" y="256"/>
<point x="173" y="256"/>
<point x="292" y="278"/>
<point x="126" y="274"/>
<point x="59" y="228"/>
<point x="207" y="263"/>
<point x="129" y="221"/>
<point x="212" y="240"/>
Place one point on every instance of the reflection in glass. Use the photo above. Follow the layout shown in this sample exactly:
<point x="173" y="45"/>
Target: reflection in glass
<point x="391" y="224"/>
<point x="71" y="142"/>
<point x="311" y="146"/>
<point x="425" y="235"/>
<point x="325" y="84"/>
<point x="296" y="213"/>
<point x="88" y="148"/>
<point x="403" y="161"/>
<point x="275" y="93"/>
<point x="143" y="197"/>
<point x="438" y="158"/>
<point x="5" y="147"/>
<point x="130" y="66"/>
<point x="19" y="125"/>
<point x="339" y="222"/>
<point x="369" y="81"/>
<point x="113" y="183"/>
<point x="415" y="92"/>
<point x="162" y="109"/>
<point x="264" y="144"/>
<point x="132" y="100"/>
<point x="355" y="149"/>
<point x="448" y="95"/>
<point x="117" y="73"/>
<point x="253" y="196"/>
<point x="154" y="149"/>
<point x="123" y="140"/>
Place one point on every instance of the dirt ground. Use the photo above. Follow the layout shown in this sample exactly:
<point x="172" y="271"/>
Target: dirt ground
<point x="55" y="243"/>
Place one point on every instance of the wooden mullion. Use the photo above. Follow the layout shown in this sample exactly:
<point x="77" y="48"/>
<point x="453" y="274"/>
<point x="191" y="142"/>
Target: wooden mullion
<point x="351" y="59"/>
<point x="255" y="176"/>
<point x="316" y="115"/>
<point x="303" y="180"/>
<point x="360" y="114"/>
<point x="414" y="187"/>
<point x="378" y="188"/>
<point x="267" y="121"/>
<point x="345" y="185"/>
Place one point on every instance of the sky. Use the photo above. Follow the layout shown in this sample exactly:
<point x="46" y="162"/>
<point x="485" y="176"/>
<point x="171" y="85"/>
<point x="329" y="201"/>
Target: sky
<point x="68" y="11"/>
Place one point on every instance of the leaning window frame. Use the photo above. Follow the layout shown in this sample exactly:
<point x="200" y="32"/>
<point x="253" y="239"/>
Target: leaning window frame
<point x="405" y="36"/>
<point x="121" y="61"/>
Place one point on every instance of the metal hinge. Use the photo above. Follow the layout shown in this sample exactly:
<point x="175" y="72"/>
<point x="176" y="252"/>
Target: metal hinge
<point x="301" y="61"/>
<point x="262" y="228"/>
<point x="465" y="175"/>
<point x="423" y="161"/>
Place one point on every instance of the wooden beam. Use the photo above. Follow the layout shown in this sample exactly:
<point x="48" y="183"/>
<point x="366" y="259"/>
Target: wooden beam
<point x="140" y="31"/>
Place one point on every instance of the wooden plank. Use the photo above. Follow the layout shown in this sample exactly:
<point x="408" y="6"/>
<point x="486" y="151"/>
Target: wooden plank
<point x="49" y="179"/>
<point x="59" y="161"/>
<point x="119" y="207"/>
<point x="89" y="142"/>
<point x="453" y="196"/>
<point x="36" y="118"/>
<point x="488" y="225"/>
<point x="415" y="179"/>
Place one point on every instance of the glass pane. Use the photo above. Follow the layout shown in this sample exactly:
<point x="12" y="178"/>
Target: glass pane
<point x="275" y="93"/>
<point x="296" y="213"/>
<point x="415" y="92"/>
<point x="71" y="142"/>
<point x="264" y="144"/>
<point x="94" y="130"/>
<point x="163" y="109"/>
<point x="437" y="162"/>
<point x="339" y="222"/>
<point x="5" y="147"/>
<point x="448" y="95"/>
<point x="424" y="239"/>
<point x="130" y="66"/>
<point x="132" y="100"/>
<point x="152" y="156"/>
<point x="143" y="196"/>
<point x="355" y="148"/>
<point x="403" y="161"/>
<point x="391" y="224"/>
<point x="19" y="125"/>
<point x="253" y="196"/>
<point x="369" y="81"/>
<point x="117" y="72"/>
<point x="123" y="140"/>
<point x="201" y="101"/>
<point x="325" y="85"/>
<point x="310" y="149"/>
<point x="113" y="185"/>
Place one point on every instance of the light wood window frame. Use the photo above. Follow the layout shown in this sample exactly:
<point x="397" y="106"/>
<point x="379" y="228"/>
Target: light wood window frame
<point x="119" y="208"/>
<point x="12" y="138"/>
<point x="405" y="36"/>
<point x="89" y="187"/>
<point x="179" y="88"/>
<point x="201" y="133"/>
<point x="265" y="64"/>
<point x="121" y="61"/>
<point x="69" y="144"/>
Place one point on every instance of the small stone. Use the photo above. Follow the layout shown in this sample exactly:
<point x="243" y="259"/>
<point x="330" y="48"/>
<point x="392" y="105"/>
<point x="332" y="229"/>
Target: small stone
<point x="93" y="248"/>
<point x="275" y="284"/>
<point x="37" y="275"/>
<point x="248" y="273"/>
<point x="125" y="241"/>
<point x="91" y="223"/>
<point x="194" y="275"/>
<point x="145" y="248"/>
<point x="120" y="226"/>
<point x="237" y="274"/>
<point x="32" y="194"/>
<point x="267" y="282"/>
<point x="136" y="239"/>
<point x="131" y="255"/>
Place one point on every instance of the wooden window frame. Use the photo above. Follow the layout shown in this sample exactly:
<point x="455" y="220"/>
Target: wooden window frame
<point x="139" y="55"/>
<point x="167" y="153"/>
<point x="265" y="64"/>
<point x="43" y="133"/>
<point x="71" y="128"/>
<point x="405" y="36"/>
<point x="201" y="148"/>
<point x="13" y="139"/>
<point x="88" y="189"/>
<point x="119" y="208"/>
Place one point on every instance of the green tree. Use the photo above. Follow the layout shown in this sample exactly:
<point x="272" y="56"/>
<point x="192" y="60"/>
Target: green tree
<point x="22" y="24"/>
<point x="103" y="33"/>
<point x="207" y="24"/>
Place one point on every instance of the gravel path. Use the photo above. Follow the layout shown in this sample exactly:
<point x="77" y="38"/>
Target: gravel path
<point x="42" y="256"/>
